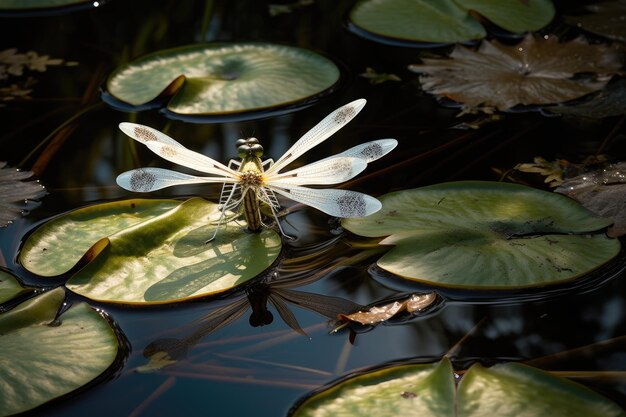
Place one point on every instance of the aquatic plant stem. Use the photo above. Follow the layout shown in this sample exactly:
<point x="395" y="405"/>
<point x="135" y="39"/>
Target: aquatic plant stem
<point x="162" y="389"/>
<point x="56" y="131"/>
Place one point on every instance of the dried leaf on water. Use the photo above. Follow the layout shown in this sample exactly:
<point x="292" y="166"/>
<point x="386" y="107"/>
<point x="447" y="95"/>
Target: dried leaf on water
<point x="535" y="71"/>
<point x="16" y="194"/>
<point x="603" y="192"/>
<point x="379" y="314"/>
<point x="378" y="78"/>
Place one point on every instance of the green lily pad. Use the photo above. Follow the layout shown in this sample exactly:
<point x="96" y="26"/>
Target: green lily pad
<point x="447" y="21"/>
<point x="477" y="234"/>
<point x="57" y="246"/>
<point x="428" y="390"/>
<point x="422" y="390"/>
<point x="150" y="251"/>
<point x="214" y="79"/>
<point x="40" y="362"/>
<point x="10" y="287"/>
<point x="513" y="389"/>
<point x="416" y="20"/>
<point x="38" y="4"/>
<point x="516" y="16"/>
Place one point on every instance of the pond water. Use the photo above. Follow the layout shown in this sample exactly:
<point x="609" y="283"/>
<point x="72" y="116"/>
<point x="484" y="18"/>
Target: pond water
<point x="240" y="369"/>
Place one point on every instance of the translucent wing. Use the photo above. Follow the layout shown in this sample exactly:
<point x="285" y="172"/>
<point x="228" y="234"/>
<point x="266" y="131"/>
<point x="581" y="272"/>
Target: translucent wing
<point x="145" y="134"/>
<point x="191" y="159"/>
<point x="319" y="133"/>
<point x="338" y="203"/>
<point x="337" y="168"/>
<point x="369" y="151"/>
<point x="331" y="170"/>
<point x="151" y="179"/>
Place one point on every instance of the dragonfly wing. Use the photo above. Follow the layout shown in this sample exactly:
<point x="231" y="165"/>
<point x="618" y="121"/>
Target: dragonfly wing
<point x="191" y="159"/>
<point x="333" y="170"/>
<point x="369" y="151"/>
<point x="152" y="179"/>
<point x="338" y="203"/>
<point x="145" y="134"/>
<point x="319" y="133"/>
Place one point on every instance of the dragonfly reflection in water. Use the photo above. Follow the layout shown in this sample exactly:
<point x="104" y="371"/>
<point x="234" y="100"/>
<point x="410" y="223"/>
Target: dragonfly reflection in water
<point x="275" y="291"/>
<point x="252" y="183"/>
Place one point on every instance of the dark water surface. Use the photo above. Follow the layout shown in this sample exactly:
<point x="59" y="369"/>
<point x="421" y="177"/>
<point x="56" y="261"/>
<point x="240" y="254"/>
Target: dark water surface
<point x="245" y="370"/>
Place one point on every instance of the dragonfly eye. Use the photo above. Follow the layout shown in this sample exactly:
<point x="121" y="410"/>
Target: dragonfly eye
<point x="252" y="141"/>
<point x="257" y="150"/>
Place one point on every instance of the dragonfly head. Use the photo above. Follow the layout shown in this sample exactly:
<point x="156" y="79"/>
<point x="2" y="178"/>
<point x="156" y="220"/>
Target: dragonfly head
<point x="249" y="147"/>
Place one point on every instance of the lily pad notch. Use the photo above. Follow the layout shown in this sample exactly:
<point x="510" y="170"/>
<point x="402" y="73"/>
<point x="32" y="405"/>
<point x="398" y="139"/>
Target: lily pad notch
<point x="429" y="390"/>
<point x="487" y="235"/>
<point x="425" y="23"/>
<point x="42" y="362"/>
<point x="149" y="251"/>
<point x="223" y="81"/>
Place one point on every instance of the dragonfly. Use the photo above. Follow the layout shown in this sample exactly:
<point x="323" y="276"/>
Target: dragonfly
<point x="250" y="184"/>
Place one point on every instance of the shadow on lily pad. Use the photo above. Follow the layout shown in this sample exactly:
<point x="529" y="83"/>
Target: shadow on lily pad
<point x="487" y="235"/>
<point x="149" y="251"/>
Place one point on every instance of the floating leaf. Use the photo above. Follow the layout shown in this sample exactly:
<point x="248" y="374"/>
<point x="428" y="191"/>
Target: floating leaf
<point x="10" y="287"/>
<point x="416" y="20"/>
<point x="513" y="15"/>
<point x="535" y="71"/>
<point x="149" y="251"/>
<point x="428" y="390"/>
<point x="39" y="5"/>
<point x="421" y="390"/>
<point x="603" y="192"/>
<point x="224" y="78"/>
<point x="13" y="63"/>
<point x="512" y="389"/>
<point x="378" y="314"/>
<point x="16" y="194"/>
<point x="447" y="21"/>
<point x="552" y="170"/>
<point x="607" y="19"/>
<point x="376" y="78"/>
<point x="40" y="361"/>
<point x="486" y="235"/>
<point x="611" y="101"/>
<point x="278" y="9"/>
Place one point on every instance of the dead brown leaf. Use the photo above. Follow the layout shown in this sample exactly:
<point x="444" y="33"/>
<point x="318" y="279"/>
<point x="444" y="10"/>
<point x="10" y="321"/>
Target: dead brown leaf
<point x="535" y="71"/>
<point x="603" y="192"/>
<point x="379" y="314"/>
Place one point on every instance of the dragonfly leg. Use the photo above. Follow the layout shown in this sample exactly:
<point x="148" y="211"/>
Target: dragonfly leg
<point x="270" y="199"/>
<point x="226" y="206"/>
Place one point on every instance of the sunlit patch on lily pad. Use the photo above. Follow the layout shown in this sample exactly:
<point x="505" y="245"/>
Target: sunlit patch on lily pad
<point x="428" y="390"/>
<point x="149" y="251"/>
<point x="446" y="21"/>
<point x="10" y="287"/>
<point x="40" y="361"/>
<point x="536" y="71"/>
<point x="475" y="234"/>
<point x="219" y="79"/>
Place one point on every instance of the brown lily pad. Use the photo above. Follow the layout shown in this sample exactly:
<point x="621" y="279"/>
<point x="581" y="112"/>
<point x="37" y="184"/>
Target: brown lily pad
<point x="537" y="71"/>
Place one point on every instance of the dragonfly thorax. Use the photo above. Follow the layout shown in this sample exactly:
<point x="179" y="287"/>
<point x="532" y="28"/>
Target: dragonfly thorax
<point x="249" y="147"/>
<point x="251" y="178"/>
